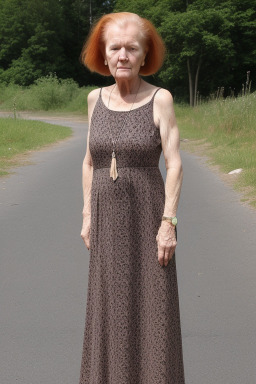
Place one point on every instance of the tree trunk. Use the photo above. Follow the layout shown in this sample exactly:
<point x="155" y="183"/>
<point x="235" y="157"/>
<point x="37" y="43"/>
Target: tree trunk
<point x="191" y="98"/>
<point x="196" y="79"/>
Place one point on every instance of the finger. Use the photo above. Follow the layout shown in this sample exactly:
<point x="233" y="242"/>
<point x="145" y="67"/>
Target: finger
<point x="172" y="250"/>
<point x="171" y="253"/>
<point x="166" y="255"/>
<point x="161" y="255"/>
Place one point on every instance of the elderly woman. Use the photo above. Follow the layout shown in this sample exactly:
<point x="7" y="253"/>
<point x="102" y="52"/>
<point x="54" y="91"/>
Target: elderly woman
<point x="132" y="329"/>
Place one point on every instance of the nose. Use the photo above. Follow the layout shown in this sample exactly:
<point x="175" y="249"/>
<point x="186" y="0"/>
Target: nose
<point x="123" y="55"/>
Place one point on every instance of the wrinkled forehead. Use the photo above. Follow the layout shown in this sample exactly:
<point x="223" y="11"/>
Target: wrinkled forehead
<point x="126" y="32"/>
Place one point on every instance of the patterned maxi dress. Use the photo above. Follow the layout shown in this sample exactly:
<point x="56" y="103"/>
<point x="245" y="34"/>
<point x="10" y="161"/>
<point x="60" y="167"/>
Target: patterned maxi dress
<point x="132" y="329"/>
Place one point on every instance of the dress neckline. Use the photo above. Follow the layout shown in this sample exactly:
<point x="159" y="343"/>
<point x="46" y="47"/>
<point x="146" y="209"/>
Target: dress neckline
<point x="133" y="109"/>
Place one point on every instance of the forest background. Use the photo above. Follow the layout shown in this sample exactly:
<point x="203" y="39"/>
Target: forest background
<point x="210" y="43"/>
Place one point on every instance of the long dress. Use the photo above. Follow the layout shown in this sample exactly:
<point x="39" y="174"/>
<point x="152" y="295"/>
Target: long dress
<point x="132" y="328"/>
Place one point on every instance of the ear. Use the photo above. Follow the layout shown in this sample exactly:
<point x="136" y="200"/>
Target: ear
<point x="144" y="57"/>
<point x="143" y="61"/>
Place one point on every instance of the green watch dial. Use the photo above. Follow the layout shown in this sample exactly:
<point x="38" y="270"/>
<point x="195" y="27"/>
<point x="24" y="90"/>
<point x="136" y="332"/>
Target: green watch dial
<point x="174" y="220"/>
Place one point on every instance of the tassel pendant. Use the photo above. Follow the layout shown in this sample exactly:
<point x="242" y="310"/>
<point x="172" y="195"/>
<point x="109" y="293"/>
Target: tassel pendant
<point x="113" y="169"/>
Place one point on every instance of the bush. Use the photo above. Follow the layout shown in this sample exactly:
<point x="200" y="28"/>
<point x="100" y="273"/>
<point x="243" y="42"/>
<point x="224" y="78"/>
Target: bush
<point x="47" y="93"/>
<point x="53" y="93"/>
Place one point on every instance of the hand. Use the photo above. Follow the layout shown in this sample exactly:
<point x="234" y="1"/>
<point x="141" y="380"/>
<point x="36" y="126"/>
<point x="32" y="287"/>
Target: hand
<point x="166" y="241"/>
<point x="85" y="232"/>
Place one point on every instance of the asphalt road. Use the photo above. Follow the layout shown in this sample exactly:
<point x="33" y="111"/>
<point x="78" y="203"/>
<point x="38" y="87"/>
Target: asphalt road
<point x="44" y="270"/>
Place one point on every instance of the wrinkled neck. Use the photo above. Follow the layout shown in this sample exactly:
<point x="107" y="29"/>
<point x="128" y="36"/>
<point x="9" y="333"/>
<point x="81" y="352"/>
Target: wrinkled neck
<point x="127" y="87"/>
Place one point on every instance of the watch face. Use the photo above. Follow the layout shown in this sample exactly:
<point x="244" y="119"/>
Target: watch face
<point x="174" y="221"/>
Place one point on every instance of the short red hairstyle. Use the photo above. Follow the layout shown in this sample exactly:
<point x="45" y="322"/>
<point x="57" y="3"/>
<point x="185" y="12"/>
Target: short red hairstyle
<point x="92" y="52"/>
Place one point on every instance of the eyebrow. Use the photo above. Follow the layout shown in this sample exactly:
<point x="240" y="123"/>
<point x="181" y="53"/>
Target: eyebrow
<point x="118" y="43"/>
<point x="113" y="45"/>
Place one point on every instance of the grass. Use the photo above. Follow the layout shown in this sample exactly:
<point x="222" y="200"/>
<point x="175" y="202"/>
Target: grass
<point x="17" y="137"/>
<point x="47" y="94"/>
<point x="229" y="127"/>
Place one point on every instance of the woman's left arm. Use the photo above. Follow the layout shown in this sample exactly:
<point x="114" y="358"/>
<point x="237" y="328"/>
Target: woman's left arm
<point x="164" y="117"/>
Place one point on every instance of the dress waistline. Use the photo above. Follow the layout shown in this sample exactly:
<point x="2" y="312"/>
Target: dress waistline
<point x="131" y="166"/>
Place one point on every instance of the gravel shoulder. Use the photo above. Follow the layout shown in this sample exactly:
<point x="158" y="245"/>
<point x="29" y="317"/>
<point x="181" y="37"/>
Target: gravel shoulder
<point x="201" y="149"/>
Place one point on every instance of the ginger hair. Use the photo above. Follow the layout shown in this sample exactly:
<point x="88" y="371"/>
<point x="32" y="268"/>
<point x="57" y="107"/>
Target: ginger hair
<point x="92" y="55"/>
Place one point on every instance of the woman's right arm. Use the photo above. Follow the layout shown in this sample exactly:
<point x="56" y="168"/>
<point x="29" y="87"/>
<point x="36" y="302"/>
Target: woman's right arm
<point x="87" y="173"/>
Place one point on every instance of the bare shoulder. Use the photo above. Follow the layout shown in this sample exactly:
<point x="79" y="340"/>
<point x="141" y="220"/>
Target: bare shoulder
<point x="93" y="96"/>
<point x="163" y="109"/>
<point x="91" y="101"/>
<point x="163" y="99"/>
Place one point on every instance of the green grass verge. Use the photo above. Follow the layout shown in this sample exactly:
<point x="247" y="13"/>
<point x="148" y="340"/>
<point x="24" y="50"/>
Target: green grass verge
<point x="229" y="126"/>
<point x="47" y="94"/>
<point x="19" y="136"/>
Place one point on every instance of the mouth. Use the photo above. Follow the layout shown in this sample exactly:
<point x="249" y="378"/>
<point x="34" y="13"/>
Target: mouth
<point x="123" y="68"/>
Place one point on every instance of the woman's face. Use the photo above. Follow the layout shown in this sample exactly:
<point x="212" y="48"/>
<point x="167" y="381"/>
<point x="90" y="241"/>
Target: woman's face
<point x="125" y="50"/>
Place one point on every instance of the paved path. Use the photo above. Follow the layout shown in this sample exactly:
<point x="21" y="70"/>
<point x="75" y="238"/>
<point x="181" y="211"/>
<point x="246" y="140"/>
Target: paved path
<point x="44" y="269"/>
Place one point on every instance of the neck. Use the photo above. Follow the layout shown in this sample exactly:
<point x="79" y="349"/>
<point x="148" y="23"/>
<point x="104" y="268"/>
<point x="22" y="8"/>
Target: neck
<point x="127" y="87"/>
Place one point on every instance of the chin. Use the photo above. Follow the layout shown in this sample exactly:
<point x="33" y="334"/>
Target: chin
<point x="125" y="75"/>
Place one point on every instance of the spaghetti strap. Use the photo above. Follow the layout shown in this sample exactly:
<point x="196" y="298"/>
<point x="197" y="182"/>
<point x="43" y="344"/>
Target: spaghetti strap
<point x="155" y="94"/>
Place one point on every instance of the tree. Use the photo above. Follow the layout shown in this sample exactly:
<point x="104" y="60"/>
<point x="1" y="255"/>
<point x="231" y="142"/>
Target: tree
<point x="30" y="35"/>
<point x="193" y="37"/>
<point x="243" y="37"/>
<point x="42" y="36"/>
<point x="209" y="44"/>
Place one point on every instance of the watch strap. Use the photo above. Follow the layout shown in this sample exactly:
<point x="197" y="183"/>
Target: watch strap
<point x="172" y="220"/>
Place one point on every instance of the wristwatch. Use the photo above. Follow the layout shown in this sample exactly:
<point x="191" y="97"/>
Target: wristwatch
<point x="172" y="220"/>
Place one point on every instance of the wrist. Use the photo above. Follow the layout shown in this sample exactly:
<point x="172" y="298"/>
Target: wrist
<point x="166" y="225"/>
<point x="171" y="220"/>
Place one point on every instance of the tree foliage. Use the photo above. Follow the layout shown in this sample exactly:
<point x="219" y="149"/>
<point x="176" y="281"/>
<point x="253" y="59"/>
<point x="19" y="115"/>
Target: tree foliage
<point x="194" y="36"/>
<point x="210" y="44"/>
<point x="30" y="39"/>
<point x="42" y="36"/>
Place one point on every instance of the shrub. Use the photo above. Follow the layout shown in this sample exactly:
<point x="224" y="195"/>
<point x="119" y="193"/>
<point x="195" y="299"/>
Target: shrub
<point x="53" y="93"/>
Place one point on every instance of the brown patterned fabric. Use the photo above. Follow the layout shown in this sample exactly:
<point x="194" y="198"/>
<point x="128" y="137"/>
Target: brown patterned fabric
<point x="132" y="329"/>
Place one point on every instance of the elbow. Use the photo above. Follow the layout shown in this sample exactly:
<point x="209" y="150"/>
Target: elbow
<point x="175" y="164"/>
<point x="181" y="171"/>
<point x="87" y="163"/>
<point x="87" y="170"/>
<point x="181" y="175"/>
